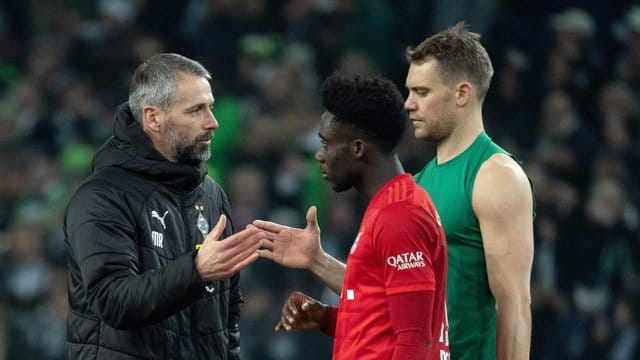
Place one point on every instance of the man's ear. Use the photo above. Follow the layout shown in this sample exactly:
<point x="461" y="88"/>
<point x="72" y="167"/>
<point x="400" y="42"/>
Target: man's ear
<point x="358" y="148"/>
<point x="151" y="118"/>
<point x="464" y="93"/>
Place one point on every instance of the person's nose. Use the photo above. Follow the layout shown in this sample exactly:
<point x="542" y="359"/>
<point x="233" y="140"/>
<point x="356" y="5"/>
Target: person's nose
<point x="212" y="122"/>
<point x="409" y="103"/>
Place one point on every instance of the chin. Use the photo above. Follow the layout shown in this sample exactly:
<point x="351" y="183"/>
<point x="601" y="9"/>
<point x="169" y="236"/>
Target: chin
<point x="420" y="134"/>
<point x="205" y="156"/>
<point x="423" y="134"/>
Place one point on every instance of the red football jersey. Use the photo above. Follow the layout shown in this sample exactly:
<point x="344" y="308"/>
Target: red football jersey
<point x="400" y="248"/>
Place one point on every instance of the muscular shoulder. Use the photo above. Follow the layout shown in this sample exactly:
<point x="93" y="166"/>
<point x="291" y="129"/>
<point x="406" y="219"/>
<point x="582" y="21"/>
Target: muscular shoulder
<point x="500" y="170"/>
<point x="501" y="183"/>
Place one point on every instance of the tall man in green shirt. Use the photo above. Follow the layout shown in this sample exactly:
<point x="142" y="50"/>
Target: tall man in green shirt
<point x="482" y="194"/>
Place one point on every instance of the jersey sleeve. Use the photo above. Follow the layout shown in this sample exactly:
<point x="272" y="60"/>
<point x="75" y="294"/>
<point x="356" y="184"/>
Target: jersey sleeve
<point x="403" y="237"/>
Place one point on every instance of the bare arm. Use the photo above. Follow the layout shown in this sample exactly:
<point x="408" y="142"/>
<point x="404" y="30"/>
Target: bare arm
<point x="301" y="249"/>
<point x="330" y="271"/>
<point x="503" y="203"/>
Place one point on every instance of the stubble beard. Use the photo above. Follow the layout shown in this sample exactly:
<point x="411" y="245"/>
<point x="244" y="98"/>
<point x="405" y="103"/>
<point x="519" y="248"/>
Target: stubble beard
<point x="424" y="132"/>
<point x="435" y="130"/>
<point x="185" y="150"/>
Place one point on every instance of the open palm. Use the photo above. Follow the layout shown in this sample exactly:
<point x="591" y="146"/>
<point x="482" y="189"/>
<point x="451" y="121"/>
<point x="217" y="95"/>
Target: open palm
<point x="291" y="247"/>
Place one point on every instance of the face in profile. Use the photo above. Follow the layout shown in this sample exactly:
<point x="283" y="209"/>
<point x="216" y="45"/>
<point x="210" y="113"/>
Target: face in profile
<point x="190" y="122"/>
<point x="431" y="102"/>
<point x="337" y="163"/>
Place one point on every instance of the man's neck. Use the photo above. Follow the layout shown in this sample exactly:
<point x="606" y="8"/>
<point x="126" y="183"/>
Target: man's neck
<point x="465" y="133"/>
<point x="379" y="175"/>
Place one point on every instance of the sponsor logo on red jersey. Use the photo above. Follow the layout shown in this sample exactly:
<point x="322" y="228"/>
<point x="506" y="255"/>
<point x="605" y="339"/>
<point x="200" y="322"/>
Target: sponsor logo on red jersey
<point x="404" y="261"/>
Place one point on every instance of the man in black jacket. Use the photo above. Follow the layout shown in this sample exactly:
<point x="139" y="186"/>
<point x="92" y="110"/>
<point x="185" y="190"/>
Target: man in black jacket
<point x="147" y="279"/>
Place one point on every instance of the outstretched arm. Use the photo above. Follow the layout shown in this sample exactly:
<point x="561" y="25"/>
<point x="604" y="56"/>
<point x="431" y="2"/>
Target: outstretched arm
<point x="301" y="249"/>
<point x="503" y="203"/>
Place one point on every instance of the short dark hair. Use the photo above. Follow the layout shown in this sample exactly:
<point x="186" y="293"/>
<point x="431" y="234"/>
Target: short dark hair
<point x="155" y="80"/>
<point x="460" y="54"/>
<point x="371" y="104"/>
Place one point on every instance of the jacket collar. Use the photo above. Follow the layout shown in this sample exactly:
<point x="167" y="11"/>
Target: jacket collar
<point x="131" y="148"/>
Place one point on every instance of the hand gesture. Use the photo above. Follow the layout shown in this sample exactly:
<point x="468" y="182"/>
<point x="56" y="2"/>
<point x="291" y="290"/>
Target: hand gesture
<point x="291" y="247"/>
<point x="218" y="260"/>
<point x="303" y="312"/>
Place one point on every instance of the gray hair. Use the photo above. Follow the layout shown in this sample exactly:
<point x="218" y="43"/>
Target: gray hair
<point x="155" y="80"/>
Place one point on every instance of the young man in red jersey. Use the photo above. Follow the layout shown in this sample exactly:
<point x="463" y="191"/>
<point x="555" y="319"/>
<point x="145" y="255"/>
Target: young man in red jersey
<point x="392" y="287"/>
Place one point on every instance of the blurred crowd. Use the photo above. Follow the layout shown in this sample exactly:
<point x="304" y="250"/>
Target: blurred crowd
<point x="565" y="100"/>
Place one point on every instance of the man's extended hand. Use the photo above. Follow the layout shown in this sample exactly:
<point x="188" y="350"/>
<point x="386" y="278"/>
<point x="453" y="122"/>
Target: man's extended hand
<point x="291" y="247"/>
<point x="303" y="312"/>
<point x="218" y="260"/>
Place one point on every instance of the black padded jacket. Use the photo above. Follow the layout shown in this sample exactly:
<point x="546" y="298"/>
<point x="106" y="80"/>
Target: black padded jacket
<point x="131" y="233"/>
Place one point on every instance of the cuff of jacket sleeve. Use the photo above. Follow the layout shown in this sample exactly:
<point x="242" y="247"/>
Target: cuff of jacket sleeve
<point x="205" y="287"/>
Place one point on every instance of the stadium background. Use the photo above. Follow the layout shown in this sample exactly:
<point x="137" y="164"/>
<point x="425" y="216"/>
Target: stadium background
<point x="565" y="99"/>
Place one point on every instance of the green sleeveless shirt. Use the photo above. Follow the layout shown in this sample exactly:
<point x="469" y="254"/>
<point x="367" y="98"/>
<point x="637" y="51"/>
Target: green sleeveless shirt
<point x="470" y="303"/>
